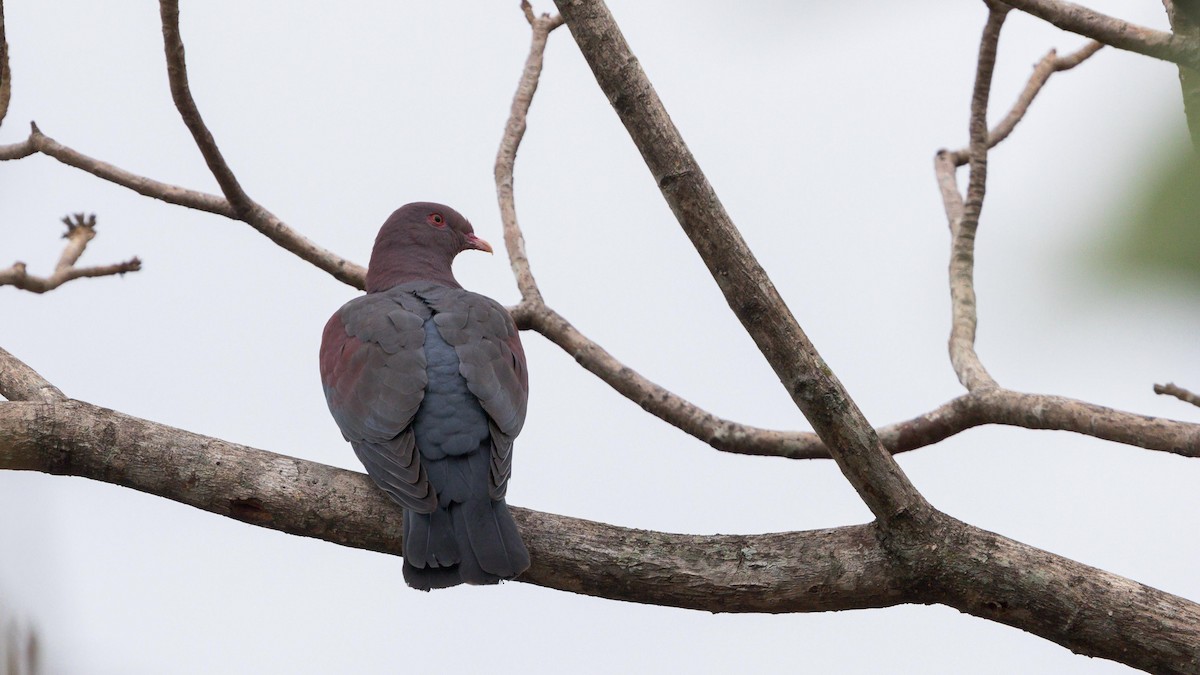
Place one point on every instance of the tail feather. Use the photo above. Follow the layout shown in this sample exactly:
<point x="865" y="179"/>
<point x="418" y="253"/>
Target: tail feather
<point x="470" y="538"/>
<point x="493" y="538"/>
<point x="475" y="543"/>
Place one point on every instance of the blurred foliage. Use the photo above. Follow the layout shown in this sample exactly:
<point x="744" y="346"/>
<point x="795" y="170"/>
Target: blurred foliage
<point x="18" y="650"/>
<point x="1162" y="237"/>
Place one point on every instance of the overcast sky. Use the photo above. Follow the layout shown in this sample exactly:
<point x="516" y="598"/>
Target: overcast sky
<point x="817" y="124"/>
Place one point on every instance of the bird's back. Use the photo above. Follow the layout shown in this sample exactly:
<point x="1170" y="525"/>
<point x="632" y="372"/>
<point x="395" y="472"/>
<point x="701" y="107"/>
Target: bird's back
<point x="427" y="382"/>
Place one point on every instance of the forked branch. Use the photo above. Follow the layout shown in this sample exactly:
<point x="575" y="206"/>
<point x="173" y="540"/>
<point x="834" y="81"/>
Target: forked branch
<point x="749" y="291"/>
<point x="1085" y="609"/>
<point x="235" y="204"/>
<point x="533" y="313"/>
<point x="1113" y="31"/>
<point x="80" y="231"/>
<point x="911" y="553"/>
<point x="1051" y="63"/>
<point x="506" y="157"/>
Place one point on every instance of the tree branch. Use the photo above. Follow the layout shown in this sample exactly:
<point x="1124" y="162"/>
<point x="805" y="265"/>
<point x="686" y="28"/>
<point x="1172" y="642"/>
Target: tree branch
<point x="244" y="208"/>
<point x="19" y="382"/>
<point x="1085" y="609"/>
<point x="259" y="218"/>
<point x="506" y="156"/>
<point x="5" y="73"/>
<point x="1051" y="63"/>
<point x="533" y="313"/>
<point x="970" y="370"/>
<point x="994" y="406"/>
<point x="911" y="554"/>
<point x="181" y="94"/>
<point x="1112" y="31"/>
<point x="80" y="231"/>
<point x="235" y="205"/>
<point x="1185" y="22"/>
<point x="148" y="187"/>
<point x="722" y="434"/>
<point x="747" y="288"/>
<point x="820" y="570"/>
<point x="1180" y="393"/>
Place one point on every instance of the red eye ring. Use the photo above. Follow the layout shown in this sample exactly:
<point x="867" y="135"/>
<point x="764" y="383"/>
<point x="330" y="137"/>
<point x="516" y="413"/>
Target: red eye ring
<point x="436" y="220"/>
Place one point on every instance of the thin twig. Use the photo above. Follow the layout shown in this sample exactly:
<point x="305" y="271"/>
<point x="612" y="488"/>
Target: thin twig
<point x="1170" y="389"/>
<point x="1113" y="31"/>
<point x="171" y="194"/>
<point x="1051" y="63"/>
<point x="19" y="382"/>
<point x="532" y="313"/>
<point x="181" y="93"/>
<point x="965" y="360"/>
<point x="235" y="204"/>
<point x="259" y="218"/>
<point x="243" y="207"/>
<point x="506" y="157"/>
<point x="80" y="231"/>
<point x="5" y="73"/>
<point x="722" y="434"/>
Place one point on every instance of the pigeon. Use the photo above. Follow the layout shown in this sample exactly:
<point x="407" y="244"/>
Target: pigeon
<point x="428" y="383"/>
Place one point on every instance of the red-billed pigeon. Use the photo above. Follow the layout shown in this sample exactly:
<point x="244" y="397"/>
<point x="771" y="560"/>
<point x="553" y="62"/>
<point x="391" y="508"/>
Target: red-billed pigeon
<point x="428" y="383"/>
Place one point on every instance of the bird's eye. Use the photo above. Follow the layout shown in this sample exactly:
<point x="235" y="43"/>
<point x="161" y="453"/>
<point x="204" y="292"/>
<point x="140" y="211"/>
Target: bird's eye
<point x="436" y="220"/>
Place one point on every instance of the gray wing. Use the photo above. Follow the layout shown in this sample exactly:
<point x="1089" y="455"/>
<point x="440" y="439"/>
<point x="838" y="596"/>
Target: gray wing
<point x="373" y="372"/>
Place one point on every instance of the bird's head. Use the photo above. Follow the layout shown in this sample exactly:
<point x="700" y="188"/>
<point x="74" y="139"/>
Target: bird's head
<point x="418" y="242"/>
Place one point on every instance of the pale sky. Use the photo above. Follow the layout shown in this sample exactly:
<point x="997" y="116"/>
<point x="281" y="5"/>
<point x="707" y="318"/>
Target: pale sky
<point x="817" y="124"/>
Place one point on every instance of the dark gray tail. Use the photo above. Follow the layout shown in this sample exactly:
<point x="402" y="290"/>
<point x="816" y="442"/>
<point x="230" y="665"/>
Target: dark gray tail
<point x="474" y="542"/>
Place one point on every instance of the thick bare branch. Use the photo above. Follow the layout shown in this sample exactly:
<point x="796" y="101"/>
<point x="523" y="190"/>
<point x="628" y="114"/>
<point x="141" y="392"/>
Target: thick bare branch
<point x="819" y="570"/>
<point x="1113" y="31"/>
<point x="1170" y="389"/>
<point x="746" y="286"/>
<point x="80" y="231"/>
<point x="19" y="382"/>
<point x="1085" y="609"/>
